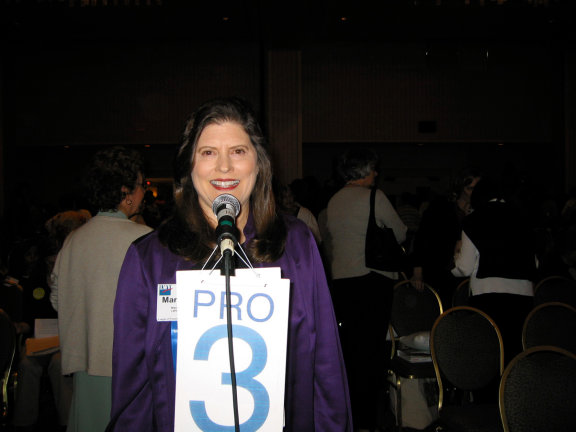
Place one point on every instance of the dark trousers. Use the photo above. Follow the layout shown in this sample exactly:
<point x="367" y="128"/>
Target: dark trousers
<point x="363" y="306"/>
<point x="508" y="312"/>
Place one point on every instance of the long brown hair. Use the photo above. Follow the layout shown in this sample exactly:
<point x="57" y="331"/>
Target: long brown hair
<point x="188" y="233"/>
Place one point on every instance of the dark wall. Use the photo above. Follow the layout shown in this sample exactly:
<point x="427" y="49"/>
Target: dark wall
<point x="118" y="92"/>
<point x="466" y="91"/>
<point x="430" y="108"/>
<point x="430" y="93"/>
<point x="125" y="92"/>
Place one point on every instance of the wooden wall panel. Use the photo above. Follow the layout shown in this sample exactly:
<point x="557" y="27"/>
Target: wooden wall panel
<point x="474" y="93"/>
<point x="126" y="93"/>
<point x="283" y="112"/>
<point x="570" y="119"/>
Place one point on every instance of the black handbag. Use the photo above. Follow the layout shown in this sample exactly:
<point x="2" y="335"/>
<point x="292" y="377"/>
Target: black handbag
<point x="382" y="251"/>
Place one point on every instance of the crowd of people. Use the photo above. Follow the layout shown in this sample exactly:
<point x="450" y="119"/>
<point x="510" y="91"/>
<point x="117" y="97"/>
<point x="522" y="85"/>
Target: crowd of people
<point x="98" y="270"/>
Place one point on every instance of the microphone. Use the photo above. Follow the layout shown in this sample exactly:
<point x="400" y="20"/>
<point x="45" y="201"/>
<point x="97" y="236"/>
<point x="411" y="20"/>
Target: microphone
<point x="226" y="207"/>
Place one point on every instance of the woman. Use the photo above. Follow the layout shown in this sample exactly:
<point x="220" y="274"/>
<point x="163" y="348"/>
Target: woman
<point x="362" y="296"/>
<point x="438" y="237"/>
<point x="498" y="253"/>
<point x="223" y="152"/>
<point x="286" y="203"/>
<point x="84" y="283"/>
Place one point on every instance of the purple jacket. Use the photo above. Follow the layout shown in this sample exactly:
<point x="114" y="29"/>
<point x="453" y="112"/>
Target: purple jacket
<point x="143" y="379"/>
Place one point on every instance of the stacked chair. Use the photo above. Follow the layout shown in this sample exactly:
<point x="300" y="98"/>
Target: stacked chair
<point x="413" y="314"/>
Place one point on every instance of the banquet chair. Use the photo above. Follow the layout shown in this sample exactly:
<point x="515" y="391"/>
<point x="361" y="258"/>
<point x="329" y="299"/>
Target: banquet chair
<point x="538" y="390"/>
<point x="555" y="288"/>
<point x="468" y="357"/>
<point x="461" y="295"/>
<point x="8" y="347"/>
<point x="412" y="317"/>
<point x="552" y="323"/>
<point x="413" y="310"/>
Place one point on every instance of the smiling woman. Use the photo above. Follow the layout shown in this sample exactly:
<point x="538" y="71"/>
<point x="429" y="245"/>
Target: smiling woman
<point x="223" y="151"/>
<point x="191" y="232"/>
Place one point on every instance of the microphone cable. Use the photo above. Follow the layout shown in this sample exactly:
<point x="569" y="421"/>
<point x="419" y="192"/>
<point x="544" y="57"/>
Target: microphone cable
<point x="226" y="207"/>
<point x="228" y="270"/>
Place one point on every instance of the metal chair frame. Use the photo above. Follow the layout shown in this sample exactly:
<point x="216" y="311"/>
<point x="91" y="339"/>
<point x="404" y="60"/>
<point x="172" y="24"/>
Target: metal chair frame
<point x="564" y="292"/>
<point x="434" y="353"/>
<point x="464" y="285"/>
<point x="534" y="312"/>
<point x="397" y="383"/>
<point x="510" y="368"/>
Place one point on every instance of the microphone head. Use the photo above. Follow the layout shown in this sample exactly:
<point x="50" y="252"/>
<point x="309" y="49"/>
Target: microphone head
<point x="229" y="201"/>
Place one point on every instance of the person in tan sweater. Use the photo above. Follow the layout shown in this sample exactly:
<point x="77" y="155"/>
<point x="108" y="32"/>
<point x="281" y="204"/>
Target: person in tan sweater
<point x="84" y="283"/>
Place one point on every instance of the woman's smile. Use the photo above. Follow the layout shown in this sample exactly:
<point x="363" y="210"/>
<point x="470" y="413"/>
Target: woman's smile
<point x="224" y="184"/>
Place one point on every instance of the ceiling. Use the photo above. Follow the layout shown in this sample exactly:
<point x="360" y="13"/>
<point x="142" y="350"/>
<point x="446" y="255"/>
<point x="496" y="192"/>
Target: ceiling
<point x="287" y="23"/>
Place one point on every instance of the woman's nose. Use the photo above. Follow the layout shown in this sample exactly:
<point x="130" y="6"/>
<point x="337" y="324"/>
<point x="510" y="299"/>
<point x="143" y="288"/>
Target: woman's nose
<point x="224" y="163"/>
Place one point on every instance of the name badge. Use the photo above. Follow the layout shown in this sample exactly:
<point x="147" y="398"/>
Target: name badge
<point x="166" y="303"/>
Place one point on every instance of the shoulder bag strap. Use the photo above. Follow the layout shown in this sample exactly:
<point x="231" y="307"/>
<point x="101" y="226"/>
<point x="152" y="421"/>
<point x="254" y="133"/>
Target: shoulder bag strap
<point x="372" y="201"/>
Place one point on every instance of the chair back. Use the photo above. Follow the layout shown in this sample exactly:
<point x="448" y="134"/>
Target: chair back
<point x="538" y="390"/>
<point x="552" y="323"/>
<point x="412" y="310"/>
<point x="555" y="288"/>
<point x="467" y="350"/>
<point x="461" y="295"/>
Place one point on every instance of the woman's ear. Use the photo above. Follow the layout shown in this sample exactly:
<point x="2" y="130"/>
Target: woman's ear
<point x="126" y="196"/>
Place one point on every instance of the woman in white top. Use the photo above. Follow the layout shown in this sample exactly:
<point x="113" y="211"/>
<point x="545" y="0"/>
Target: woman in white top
<point x="498" y="252"/>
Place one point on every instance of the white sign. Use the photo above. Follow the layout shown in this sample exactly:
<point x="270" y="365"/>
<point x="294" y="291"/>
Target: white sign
<point x="260" y="304"/>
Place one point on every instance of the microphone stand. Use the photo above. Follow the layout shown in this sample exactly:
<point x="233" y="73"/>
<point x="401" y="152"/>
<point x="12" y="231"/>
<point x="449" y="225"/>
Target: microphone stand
<point x="227" y="271"/>
<point x="226" y="207"/>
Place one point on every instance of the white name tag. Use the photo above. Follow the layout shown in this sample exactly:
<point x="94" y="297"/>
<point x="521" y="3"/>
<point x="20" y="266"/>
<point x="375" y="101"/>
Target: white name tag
<point x="166" y="303"/>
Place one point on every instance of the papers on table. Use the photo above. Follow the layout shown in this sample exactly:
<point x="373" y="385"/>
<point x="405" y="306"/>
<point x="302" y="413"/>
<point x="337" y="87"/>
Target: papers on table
<point x="45" y="340"/>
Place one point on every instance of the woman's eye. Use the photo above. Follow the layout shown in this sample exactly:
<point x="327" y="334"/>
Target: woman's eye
<point x="239" y="151"/>
<point x="206" y="152"/>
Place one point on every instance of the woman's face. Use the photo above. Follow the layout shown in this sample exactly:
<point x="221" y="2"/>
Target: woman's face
<point x="133" y="202"/>
<point x="469" y="188"/>
<point x="225" y="161"/>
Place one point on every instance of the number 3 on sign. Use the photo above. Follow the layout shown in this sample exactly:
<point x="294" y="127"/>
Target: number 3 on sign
<point x="244" y="379"/>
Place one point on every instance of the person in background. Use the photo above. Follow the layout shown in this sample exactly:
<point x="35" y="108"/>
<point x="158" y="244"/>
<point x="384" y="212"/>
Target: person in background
<point x="84" y="281"/>
<point x="32" y="367"/>
<point x="438" y="237"/>
<point x="362" y="296"/>
<point x="151" y="212"/>
<point x="306" y="192"/>
<point x="407" y="208"/>
<point x="223" y="151"/>
<point x="58" y="227"/>
<point x="286" y="203"/>
<point x="498" y="253"/>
